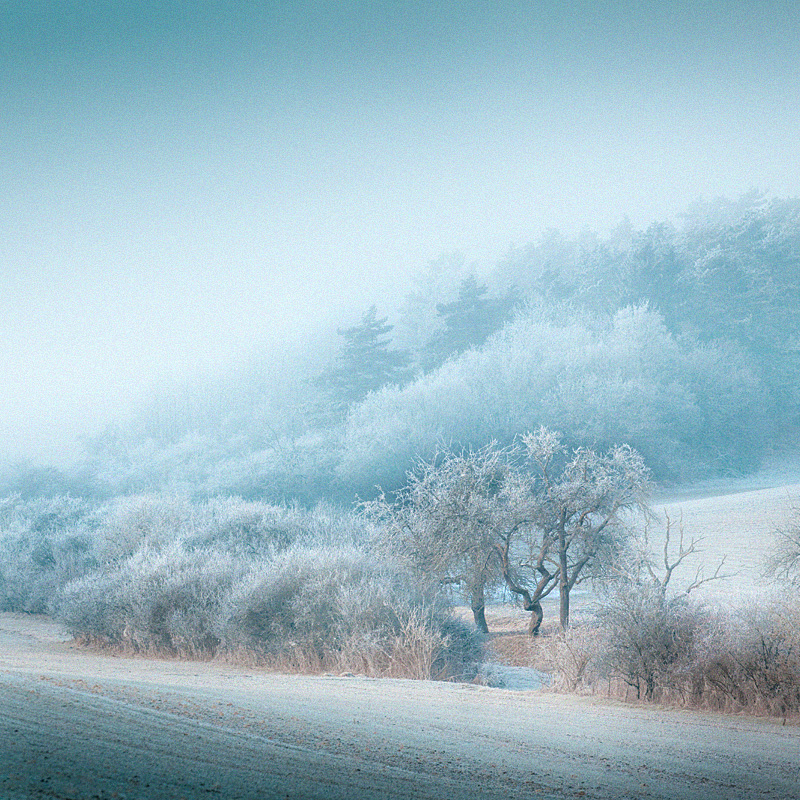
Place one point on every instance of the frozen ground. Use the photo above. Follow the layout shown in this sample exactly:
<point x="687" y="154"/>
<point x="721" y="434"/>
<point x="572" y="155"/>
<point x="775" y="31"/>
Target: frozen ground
<point x="80" y="724"/>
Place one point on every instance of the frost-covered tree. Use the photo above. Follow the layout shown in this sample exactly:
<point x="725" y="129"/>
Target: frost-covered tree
<point x="365" y="362"/>
<point x="529" y="516"/>
<point x="578" y="532"/>
<point x="686" y="406"/>
<point x="447" y="520"/>
<point x="469" y="320"/>
<point x="744" y="270"/>
<point x="418" y="320"/>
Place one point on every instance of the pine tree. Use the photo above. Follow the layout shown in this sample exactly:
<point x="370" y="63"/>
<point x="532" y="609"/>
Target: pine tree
<point x="365" y="361"/>
<point x="469" y="321"/>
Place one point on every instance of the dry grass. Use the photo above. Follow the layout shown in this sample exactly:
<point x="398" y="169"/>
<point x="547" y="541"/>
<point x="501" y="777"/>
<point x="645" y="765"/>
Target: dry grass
<point x="742" y="661"/>
<point x="415" y="653"/>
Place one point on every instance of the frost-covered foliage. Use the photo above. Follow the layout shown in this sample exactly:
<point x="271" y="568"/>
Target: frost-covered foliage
<point x="532" y="516"/>
<point x="335" y="607"/>
<point x="680" y="403"/>
<point x="279" y="585"/>
<point x="44" y="544"/>
<point x="156" y="601"/>
<point x="683" y="341"/>
<point x="308" y="608"/>
<point x="129" y="523"/>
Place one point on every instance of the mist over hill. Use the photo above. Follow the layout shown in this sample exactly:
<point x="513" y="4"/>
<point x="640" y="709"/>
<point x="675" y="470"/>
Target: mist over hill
<point x="682" y="341"/>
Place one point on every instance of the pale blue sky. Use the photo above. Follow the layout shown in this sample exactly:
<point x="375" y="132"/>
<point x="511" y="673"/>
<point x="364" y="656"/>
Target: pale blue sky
<point x="184" y="184"/>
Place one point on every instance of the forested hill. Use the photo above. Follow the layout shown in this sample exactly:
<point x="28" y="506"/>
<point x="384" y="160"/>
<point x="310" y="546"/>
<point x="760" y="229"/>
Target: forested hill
<point x="683" y="341"/>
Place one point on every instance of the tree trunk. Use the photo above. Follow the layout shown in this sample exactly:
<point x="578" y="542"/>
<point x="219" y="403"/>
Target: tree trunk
<point x="479" y="610"/>
<point x="563" y="578"/>
<point x="563" y="591"/>
<point x="536" y="618"/>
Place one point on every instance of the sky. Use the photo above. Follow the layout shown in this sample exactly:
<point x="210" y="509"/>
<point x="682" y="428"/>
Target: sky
<point x="187" y="185"/>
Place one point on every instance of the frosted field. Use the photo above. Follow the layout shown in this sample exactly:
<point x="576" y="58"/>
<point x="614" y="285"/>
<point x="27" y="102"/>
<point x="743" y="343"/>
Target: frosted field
<point x="739" y="527"/>
<point x="76" y="724"/>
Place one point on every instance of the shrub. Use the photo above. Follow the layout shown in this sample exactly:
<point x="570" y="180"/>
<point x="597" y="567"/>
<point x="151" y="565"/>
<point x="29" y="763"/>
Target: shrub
<point x="44" y="544"/>
<point x="160" y="602"/>
<point x="245" y="528"/>
<point x="570" y="656"/>
<point x="754" y="661"/>
<point x="650" y="642"/>
<point x="675" y="651"/>
<point x="131" y="523"/>
<point x="334" y="608"/>
<point x="308" y="607"/>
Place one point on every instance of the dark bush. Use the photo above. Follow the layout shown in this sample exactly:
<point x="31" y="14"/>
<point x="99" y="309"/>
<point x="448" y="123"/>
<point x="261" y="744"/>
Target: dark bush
<point x="650" y="642"/>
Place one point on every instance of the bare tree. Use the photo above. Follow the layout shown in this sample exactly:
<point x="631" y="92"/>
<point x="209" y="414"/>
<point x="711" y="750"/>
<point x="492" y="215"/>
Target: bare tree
<point x="650" y="637"/>
<point x="529" y="515"/>
<point x="642" y="567"/>
<point x="784" y="561"/>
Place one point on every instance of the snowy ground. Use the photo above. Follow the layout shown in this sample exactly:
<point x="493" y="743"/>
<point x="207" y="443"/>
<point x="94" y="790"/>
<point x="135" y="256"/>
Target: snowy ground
<point x="81" y="724"/>
<point x="77" y="724"/>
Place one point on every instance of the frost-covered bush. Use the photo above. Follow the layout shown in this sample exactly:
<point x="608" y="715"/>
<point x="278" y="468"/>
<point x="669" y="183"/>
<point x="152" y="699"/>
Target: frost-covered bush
<point x="652" y="648"/>
<point x="277" y="585"/>
<point x="306" y="608"/>
<point x="565" y="659"/>
<point x="292" y="468"/>
<point x="165" y="601"/>
<point x="245" y="527"/>
<point x="128" y="524"/>
<point x="322" y="608"/>
<point x="44" y="544"/>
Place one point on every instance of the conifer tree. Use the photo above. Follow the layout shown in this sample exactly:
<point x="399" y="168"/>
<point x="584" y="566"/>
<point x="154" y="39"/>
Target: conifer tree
<point x="468" y="321"/>
<point x="365" y="361"/>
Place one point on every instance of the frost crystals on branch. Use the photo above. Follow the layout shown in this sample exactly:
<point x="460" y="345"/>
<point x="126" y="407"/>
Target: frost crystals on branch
<point x="528" y="516"/>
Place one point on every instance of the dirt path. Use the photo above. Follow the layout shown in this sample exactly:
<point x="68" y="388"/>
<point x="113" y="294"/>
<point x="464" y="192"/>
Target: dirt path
<point x="76" y="724"/>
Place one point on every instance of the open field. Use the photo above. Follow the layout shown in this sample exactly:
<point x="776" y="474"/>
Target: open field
<point x="75" y="723"/>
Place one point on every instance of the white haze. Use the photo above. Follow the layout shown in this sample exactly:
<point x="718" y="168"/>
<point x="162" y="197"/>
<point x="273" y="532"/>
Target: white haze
<point x="185" y="189"/>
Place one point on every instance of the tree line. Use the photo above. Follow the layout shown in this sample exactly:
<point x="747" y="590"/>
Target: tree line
<point x="681" y="340"/>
